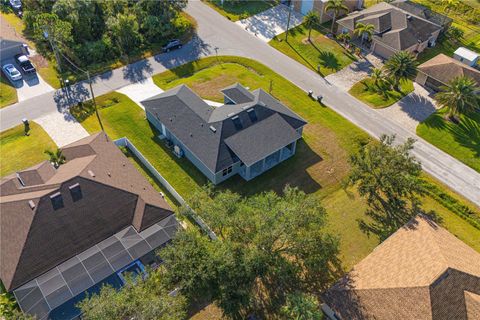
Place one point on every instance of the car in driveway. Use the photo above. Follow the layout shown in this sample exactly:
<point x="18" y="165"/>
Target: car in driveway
<point x="11" y="72"/>
<point x="25" y="64"/>
<point x="16" y="4"/>
<point x="172" y="45"/>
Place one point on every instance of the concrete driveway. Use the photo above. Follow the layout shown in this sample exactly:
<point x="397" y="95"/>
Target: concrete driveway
<point x="267" y="24"/>
<point x="412" y="109"/>
<point x="351" y="74"/>
<point x="30" y="86"/>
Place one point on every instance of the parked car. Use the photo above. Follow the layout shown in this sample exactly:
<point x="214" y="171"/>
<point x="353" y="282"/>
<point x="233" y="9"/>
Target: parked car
<point x="16" y="4"/>
<point x="11" y="72"/>
<point x="25" y="64"/>
<point x="173" y="44"/>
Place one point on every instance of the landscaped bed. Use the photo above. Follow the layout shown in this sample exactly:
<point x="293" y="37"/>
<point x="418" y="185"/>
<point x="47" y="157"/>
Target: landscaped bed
<point x="321" y="51"/>
<point x="318" y="167"/>
<point x="460" y="140"/>
<point x="240" y="10"/>
<point x="19" y="151"/>
<point x="366" y="91"/>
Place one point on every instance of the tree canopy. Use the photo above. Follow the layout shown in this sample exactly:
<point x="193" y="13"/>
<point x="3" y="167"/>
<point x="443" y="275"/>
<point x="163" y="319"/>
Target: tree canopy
<point x="269" y="246"/>
<point x="95" y="31"/>
<point x="460" y="96"/>
<point x="401" y="66"/>
<point x="388" y="177"/>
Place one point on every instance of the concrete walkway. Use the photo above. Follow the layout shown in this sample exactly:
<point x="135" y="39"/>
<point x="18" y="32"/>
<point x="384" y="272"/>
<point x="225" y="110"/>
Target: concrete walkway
<point x="62" y="127"/>
<point x="412" y="109"/>
<point x="267" y="24"/>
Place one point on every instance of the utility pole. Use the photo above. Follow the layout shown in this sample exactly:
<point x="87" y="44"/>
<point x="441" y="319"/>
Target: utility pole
<point x="46" y="34"/>
<point x="94" y="102"/>
<point x="288" y="22"/>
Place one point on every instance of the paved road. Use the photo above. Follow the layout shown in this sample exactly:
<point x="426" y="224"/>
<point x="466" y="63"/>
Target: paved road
<point x="218" y="35"/>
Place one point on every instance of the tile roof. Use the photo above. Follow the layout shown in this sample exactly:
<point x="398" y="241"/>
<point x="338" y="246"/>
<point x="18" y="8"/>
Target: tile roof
<point x="35" y="237"/>
<point x="190" y="120"/>
<point x="419" y="272"/>
<point x="394" y="27"/>
<point x="444" y="69"/>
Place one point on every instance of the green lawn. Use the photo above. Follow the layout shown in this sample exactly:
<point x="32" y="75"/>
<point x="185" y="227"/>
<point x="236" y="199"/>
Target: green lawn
<point x="8" y="94"/>
<point x="240" y="10"/>
<point x="461" y="141"/>
<point x="19" y="151"/>
<point x="317" y="168"/>
<point x="364" y="91"/>
<point x="321" y="51"/>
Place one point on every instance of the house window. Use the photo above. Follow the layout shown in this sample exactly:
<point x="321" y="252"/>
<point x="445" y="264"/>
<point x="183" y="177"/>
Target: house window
<point x="75" y="192"/>
<point x="253" y="116"/>
<point x="227" y="171"/>
<point x="57" y="201"/>
<point x="237" y="123"/>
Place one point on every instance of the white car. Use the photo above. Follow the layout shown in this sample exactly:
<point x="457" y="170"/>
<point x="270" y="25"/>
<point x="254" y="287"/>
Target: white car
<point x="16" y="4"/>
<point x="11" y="72"/>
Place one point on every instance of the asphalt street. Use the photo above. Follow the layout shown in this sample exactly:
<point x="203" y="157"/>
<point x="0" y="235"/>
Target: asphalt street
<point x="217" y="35"/>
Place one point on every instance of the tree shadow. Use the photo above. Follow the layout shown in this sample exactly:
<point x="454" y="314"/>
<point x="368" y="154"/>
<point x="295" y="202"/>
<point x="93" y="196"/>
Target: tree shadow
<point x="436" y="121"/>
<point x="306" y="61"/>
<point x="293" y="172"/>
<point x="329" y="60"/>
<point x="138" y="71"/>
<point x="69" y="96"/>
<point x="417" y="107"/>
<point x="467" y="134"/>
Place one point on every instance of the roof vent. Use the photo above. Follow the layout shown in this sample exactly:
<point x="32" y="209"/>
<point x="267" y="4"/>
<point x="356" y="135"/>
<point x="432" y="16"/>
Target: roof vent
<point x="75" y="192"/>
<point x="409" y="17"/>
<point x="90" y="172"/>
<point x="57" y="201"/>
<point x="231" y="114"/>
<point x="261" y="103"/>
<point x="213" y="129"/>
<point x="191" y="135"/>
<point x="20" y="180"/>
<point x="31" y="204"/>
<point x="237" y="122"/>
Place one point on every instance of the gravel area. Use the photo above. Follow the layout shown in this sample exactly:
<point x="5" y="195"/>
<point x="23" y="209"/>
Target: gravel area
<point x="351" y="74"/>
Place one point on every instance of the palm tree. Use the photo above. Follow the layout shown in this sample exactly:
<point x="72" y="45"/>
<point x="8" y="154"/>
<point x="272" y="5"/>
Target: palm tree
<point x="337" y="7"/>
<point x="376" y="76"/>
<point x="364" y="31"/>
<point x="56" y="157"/>
<point x="310" y="20"/>
<point x="344" y="37"/>
<point x="459" y="96"/>
<point x="401" y="66"/>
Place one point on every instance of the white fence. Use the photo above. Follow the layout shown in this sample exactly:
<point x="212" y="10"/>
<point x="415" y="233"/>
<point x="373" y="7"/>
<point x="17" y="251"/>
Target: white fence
<point x="124" y="142"/>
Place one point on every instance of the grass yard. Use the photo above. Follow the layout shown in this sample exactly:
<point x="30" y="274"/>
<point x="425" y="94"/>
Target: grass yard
<point x="317" y="168"/>
<point x="321" y="51"/>
<point x="19" y="151"/>
<point x="8" y="94"/>
<point x="461" y="141"/>
<point x="240" y="10"/>
<point x="364" y="91"/>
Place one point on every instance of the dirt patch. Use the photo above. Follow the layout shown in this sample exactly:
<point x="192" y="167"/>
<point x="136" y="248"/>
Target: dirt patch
<point x="39" y="61"/>
<point x="9" y="32"/>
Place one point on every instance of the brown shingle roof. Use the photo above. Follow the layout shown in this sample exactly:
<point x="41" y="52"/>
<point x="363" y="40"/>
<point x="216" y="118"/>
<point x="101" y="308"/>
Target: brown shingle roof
<point x="443" y="68"/>
<point x="420" y="272"/>
<point x="114" y="196"/>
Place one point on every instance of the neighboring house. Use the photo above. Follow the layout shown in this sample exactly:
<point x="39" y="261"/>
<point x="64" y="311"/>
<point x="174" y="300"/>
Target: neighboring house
<point x="420" y="272"/>
<point x="248" y="135"/>
<point x="65" y="232"/>
<point x="304" y="6"/>
<point x="423" y="12"/>
<point x="441" y="69"/>
<point x="395" y="29"/>
<point x="467" y="57"/>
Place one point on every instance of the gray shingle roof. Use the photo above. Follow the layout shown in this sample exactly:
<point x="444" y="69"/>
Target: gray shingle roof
<point x="262" y="139"/>
<point x="189" y="119"/>
<point x="238" y="94"/>
<point x="422" y="12"/>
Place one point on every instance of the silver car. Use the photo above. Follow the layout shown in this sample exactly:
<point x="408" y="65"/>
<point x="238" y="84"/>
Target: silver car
<point x="11" y="72"/>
